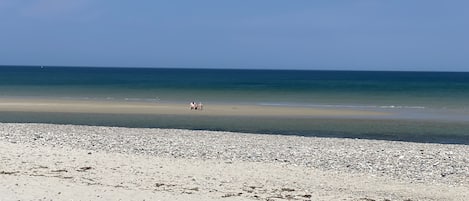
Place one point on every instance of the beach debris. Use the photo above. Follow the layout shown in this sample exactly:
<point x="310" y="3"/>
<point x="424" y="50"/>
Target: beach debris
<point x="194" y="189"/>
<point x="306" y="195"/>
<point x="163" y="184"/>
<point x="37" y="136"/>
<point x="9" y="173"/>
<point x="159" y="184"/>
<point x="82" y="169"/>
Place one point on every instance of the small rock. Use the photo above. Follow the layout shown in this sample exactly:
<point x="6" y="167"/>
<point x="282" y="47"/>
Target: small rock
<point x="288" y="189"/>
<point x="82" y="169"/>
<point x="159" y="184"/>
<point x="194" y="189"/>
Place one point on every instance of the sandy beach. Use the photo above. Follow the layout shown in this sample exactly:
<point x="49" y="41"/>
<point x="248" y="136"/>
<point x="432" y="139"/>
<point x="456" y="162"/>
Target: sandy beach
<point x="67" y="162"/>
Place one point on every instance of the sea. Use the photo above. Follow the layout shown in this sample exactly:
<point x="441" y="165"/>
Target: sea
<point x="426" y="106"/>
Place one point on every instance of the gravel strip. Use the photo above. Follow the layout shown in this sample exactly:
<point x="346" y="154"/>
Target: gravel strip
<point x="414" y="162"/>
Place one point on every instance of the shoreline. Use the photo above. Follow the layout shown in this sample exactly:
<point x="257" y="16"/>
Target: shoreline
<point x="299" y="121"/>
<point x="172" y="164"/>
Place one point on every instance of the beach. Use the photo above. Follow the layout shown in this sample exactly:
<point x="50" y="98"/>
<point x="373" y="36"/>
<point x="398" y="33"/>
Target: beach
<point x="63" y="162"/>
<point x="129" y="134"/>
<point x="234" y="100"/>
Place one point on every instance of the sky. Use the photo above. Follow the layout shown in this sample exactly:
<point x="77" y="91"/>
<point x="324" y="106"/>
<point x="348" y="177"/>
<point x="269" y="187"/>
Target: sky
<point x="415" y="35"/>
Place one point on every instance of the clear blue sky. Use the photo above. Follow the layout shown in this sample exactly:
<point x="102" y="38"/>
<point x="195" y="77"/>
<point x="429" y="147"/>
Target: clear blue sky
<point x="288" y="34"/>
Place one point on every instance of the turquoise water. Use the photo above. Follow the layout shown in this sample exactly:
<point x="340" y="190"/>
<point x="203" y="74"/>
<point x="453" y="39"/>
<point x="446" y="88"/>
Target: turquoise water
<point x="441" y="98"/>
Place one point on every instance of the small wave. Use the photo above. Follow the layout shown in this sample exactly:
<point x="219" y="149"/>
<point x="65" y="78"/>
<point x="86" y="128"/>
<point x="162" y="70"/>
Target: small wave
<point x="142" y="99"/>
<point x="400" y="107"/>
<point x="343" y="106"/>
<point x="112" y="99"/>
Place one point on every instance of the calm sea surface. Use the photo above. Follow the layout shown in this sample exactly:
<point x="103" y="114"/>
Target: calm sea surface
<point x="429" y="106"/>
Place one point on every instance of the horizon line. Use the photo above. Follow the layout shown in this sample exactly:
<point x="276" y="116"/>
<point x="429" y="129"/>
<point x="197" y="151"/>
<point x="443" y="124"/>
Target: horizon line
<point x="230" y="68"/>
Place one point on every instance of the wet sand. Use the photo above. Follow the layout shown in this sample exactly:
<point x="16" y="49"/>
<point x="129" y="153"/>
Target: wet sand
<point x="129" y="107"/>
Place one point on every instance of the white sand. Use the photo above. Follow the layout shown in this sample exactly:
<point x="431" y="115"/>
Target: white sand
<point x="36" y="165"/>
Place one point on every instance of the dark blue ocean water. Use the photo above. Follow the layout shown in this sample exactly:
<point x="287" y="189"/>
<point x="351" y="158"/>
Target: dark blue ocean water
<point x="441" y="97"/>
<point x="328" y="88"/>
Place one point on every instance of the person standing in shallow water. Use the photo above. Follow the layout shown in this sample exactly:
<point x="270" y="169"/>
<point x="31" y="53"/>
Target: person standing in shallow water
<point x="200" y="106"/>
<point x="195" y="106"/>
<point x="192" y="105"/>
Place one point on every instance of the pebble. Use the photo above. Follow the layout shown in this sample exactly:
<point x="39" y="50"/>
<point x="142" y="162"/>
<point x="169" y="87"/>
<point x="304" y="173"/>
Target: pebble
<point x="415" y="162"/>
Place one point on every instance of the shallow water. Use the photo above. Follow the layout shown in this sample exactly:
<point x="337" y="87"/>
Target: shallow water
<point x="426" y="106"/>
<point x="383" y="129"/>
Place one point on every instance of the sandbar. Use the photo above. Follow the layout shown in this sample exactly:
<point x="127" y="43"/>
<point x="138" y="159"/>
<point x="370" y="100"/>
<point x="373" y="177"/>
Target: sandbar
<point x="131" y="107"/>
